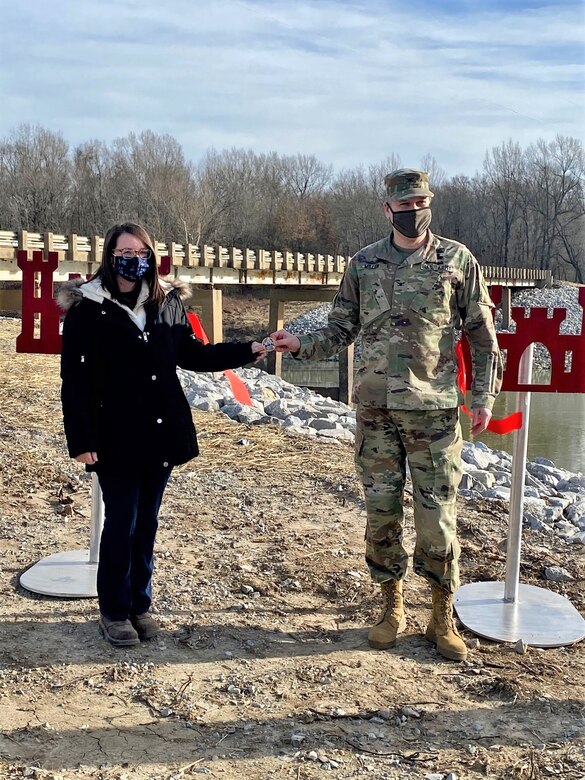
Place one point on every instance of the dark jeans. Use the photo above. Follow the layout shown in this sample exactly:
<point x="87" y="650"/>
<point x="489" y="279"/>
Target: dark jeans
<point x="132" y="500"/>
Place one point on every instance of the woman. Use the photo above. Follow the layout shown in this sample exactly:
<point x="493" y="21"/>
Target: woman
<point x="125" y="414"/>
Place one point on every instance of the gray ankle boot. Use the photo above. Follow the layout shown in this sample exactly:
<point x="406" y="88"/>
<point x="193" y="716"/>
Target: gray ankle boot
<point x="120" y="633"/>
<point x="145" y="625"/>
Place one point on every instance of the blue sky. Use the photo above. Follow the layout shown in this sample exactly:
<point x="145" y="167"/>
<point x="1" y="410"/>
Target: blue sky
<point x="351" y="82"/>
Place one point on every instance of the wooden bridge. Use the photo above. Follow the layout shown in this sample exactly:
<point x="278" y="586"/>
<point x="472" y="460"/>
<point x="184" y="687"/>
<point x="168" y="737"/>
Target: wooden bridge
<point x="291" y="276"/>
<point x="217" y="265"/>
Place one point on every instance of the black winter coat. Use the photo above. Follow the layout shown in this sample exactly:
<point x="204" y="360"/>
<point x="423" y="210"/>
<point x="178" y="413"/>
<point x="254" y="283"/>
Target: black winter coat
<point x="120" y="392"/>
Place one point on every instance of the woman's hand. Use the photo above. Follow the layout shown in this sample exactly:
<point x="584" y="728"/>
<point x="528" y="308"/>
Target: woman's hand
<point x="285" y="341"/>
<point x="259" y="350"/>
<point x="89" y="458"/>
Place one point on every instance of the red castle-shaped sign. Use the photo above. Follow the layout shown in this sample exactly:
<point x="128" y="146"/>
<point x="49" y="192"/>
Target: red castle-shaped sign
<point x="40" y="313"/>
<point x="535" y="326"/>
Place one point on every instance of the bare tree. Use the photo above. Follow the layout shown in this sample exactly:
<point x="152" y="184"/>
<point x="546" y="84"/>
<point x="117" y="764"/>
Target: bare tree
<point x="357" y="210"/>
<point x="356" y="197"/>
<point x="437" y="175"/>
<point x="152" y="182"/>
<point x="93" y="206"/>
<point x="460" y="211"/>
<point x="35" y="176"/>
<point x="569" y="161"/>
<point x="505" y="172"/>
<point x="552" y="203"/>
<point x="305" y="176"/>
<point x="236" y="190"/>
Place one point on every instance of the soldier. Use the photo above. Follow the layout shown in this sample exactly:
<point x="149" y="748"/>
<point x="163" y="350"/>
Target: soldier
<point x="408" y="295"/>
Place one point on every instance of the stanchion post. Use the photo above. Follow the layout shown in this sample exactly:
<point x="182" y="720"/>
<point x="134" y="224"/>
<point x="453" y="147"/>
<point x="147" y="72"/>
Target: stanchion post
<point x="73" y="573"/>
<point x="520" y="450"/>
<point x="97" y="519"/>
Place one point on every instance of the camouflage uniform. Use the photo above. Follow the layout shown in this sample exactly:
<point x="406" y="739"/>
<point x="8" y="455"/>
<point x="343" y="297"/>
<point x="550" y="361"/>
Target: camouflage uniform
<point x="408" y="310"/>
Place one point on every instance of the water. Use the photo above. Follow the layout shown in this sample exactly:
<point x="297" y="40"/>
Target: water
<point x="557" y="420"/>
<point x="557" y="428"/>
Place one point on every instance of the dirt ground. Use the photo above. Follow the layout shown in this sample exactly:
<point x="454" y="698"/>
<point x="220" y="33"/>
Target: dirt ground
<point x="262" y="670"/>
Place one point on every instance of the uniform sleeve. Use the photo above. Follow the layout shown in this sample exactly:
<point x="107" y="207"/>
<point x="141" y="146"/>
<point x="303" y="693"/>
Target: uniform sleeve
<point x="343" y="322"/>
<point x="475" y="308"/>
<point x="194" y="355"/>
<point x="76" y="388"/>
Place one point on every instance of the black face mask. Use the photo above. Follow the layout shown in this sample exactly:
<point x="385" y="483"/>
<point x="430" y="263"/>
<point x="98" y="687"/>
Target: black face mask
<point x="131" y="268"/>
<point x="413" y="223"/>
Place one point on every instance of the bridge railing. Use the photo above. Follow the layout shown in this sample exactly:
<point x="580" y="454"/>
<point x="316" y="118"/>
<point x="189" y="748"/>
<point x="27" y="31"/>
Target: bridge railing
<point x="497" y="274"/>
<point x="84" y="250"/>
<point x="215" y="264"/>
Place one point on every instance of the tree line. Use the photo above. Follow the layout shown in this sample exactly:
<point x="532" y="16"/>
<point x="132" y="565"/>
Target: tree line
<point x="524" y="208"/>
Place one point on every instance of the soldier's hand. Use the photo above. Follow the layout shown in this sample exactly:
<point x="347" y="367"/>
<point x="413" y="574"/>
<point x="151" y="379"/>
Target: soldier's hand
<point x="480" y="417"/>
<point x="285" y="341"/>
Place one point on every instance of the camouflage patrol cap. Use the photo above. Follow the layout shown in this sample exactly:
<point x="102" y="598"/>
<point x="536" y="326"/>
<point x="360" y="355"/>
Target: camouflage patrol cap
<point x="407" y="183"/>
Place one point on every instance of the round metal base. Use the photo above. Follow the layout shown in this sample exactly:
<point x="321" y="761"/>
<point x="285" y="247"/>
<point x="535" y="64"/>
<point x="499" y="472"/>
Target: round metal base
<point x="65" y="574"/>
<point x="539" y="617"/>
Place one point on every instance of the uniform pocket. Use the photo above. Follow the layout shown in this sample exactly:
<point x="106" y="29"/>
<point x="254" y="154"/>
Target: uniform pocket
<point x="376" y="294"/>
<point x="446" y="457"/>
<point x="433" y="302"/>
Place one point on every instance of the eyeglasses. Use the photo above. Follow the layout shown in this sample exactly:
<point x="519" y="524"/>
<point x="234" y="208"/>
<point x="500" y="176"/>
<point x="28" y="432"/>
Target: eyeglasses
<point x="128" y="254"/>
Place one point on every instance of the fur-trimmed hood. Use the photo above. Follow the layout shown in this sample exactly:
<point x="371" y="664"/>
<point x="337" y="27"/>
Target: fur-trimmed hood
<point x="75" y="290"/>
<point x="69" y="294"/>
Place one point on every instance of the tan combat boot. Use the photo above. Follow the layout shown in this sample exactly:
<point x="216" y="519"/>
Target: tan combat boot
<point x="441" y="630"/>
<point x="393" y="621"/>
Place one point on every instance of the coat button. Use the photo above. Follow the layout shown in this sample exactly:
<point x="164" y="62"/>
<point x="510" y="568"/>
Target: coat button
<point x="159" y="420"/>
<point x="103" y="312"/>
<point x="153" y="377"/>
<point x="165" y="464"/>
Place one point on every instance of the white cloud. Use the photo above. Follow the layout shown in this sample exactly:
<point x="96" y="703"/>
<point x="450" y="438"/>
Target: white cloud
<point x="349" y="82"/>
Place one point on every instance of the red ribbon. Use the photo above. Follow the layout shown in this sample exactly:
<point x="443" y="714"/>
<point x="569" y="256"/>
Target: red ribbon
<point x="239" y="389"/>
<point x="505" y="424"/>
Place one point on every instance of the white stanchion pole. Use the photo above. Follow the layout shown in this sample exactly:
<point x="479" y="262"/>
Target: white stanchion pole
<point x="509" y="611"/>
<point x="520" y="450"/>
<point x="71" y="574"/>
<point x="97" y="519"/>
